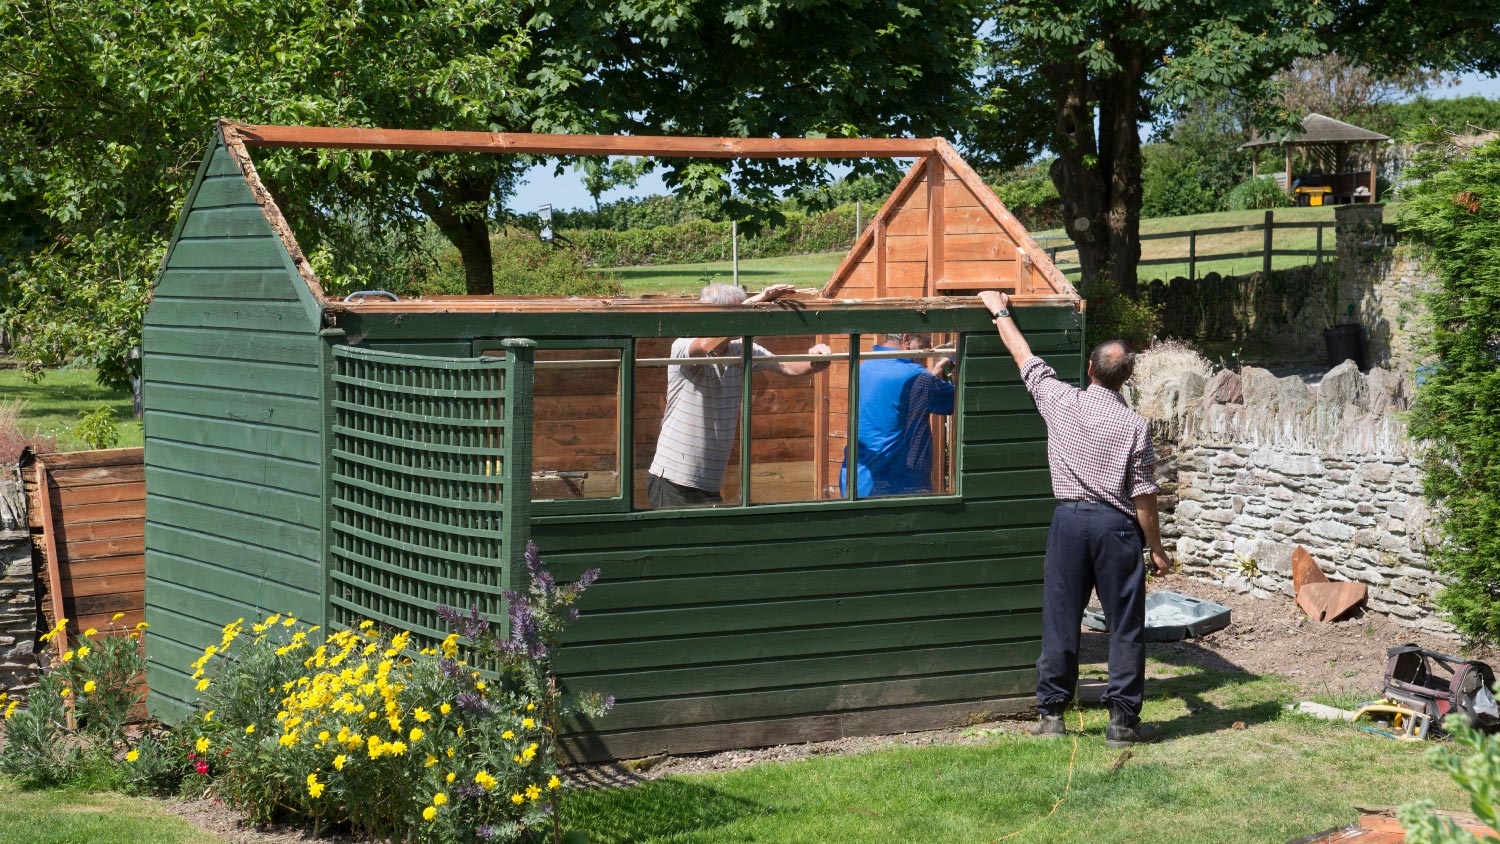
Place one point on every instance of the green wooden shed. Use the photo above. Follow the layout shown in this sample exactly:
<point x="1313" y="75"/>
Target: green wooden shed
<point x="372" y="458"/>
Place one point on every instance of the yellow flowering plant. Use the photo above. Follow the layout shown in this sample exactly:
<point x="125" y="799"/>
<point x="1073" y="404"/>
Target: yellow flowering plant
<point x="374" y="732"/>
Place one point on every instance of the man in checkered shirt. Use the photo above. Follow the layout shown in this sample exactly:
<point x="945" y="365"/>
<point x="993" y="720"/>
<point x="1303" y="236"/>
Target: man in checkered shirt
<point x="1100" y="454"/>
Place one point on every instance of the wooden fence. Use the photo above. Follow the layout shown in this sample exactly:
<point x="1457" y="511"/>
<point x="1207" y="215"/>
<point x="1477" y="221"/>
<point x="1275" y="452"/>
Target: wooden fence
<point x="1323" y="245"/>
<point x="88" y="518"/>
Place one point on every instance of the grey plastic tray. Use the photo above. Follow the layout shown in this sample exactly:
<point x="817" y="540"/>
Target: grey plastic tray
<point x="1171" y="616"/>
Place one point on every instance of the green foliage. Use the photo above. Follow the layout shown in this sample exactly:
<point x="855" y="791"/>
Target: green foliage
<point x="1113" y="315"/>
<point x="1194" y="164"/>
<point x="1477" y="772"/>
<point x="1454" y="114"/>
<point x="1261" y="192"/>
<point x="97" y="427"/>
<point x="524" y="266"/>
<point x="1028" y="192"/>
<point x="103" y="680"/>
<point x="1452" y="213"/>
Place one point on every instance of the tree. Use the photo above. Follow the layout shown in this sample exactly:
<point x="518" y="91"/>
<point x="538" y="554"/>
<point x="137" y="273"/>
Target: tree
<point x="1081" y="78"/>
<point x="1331" y="85"/>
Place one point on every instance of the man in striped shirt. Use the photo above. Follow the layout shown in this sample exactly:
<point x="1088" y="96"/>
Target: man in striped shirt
<point x="1102" y="463"/>
<point x="703" y="407"/>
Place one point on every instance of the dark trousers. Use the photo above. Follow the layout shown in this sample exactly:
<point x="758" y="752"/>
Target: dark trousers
<point x="663" y="494"/>
<point x="1093" y="547"/>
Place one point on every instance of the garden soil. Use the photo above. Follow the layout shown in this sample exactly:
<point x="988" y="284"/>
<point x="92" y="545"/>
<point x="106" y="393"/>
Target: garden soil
<point x="1342" y="661"/>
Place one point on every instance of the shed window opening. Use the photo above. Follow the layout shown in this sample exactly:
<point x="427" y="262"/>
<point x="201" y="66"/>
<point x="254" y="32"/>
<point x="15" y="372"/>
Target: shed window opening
<point x="693" y="406"/>
<point x="576" y="424"/>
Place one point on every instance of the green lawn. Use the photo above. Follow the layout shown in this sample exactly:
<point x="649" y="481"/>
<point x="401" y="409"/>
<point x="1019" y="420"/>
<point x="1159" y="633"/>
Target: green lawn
<point x="52" y="404"/>
<point x="1280" y="777"/>
<point x="687" y="279"/>
<point x="69" y="817"/>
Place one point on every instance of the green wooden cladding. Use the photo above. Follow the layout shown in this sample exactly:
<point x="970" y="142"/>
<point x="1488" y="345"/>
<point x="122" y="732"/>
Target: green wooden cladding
<point x="293" y="469"/>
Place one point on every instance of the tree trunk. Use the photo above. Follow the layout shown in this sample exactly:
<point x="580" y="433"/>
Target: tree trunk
<point x="1075" y="172"/>
<point x="1120" y="137"/>
<point x="460" y="210"/>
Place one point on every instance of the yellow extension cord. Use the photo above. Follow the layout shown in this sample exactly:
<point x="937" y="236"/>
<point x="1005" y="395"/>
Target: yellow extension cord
<point x="1066" y="788"/>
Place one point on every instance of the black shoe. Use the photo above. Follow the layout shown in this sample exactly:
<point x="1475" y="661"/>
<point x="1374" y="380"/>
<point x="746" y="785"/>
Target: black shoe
<point x="1126" y="730"/>
<point x="1049" y="726"/>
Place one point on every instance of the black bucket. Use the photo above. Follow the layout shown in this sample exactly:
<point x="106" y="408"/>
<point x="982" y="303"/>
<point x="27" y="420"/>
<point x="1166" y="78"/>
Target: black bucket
<point x="1344" y="343"/>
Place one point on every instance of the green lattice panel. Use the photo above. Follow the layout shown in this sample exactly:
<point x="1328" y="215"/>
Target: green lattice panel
<point x="420" y="462"/>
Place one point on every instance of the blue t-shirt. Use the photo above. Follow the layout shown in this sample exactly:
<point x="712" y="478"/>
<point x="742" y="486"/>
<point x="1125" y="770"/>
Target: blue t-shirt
<point x="896" y="395"/>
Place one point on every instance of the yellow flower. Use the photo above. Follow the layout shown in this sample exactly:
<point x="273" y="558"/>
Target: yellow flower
<point x="338" y="762"/>
<point x="117" y="616"/>
<point x="528" y="723"/>
<point x="416" y="734"/>
<point x="517" y="799"/>
<point x="532" y="792"/>
<point x="323" y="735"/>
<point x="479" y="685"/>
<point x="89" y="632"/>
<point x="289" y="621"/>
<point x="530" y="707"/>
<point x="67" y="657"/>
<point x="288" y="739"/>
<point x="314" y="787"/>
<point x="445" y="709"/>
<point x="396" y="748"/>
<point x="250" y="729"/>
<point x="460" y="730"/>
<point x="201" y="744"/>
<point x="84" y="651"/>
<point x="451" y="777"/>
<point x="431" y="760"/>
<point x="65" y="693"/>
<point x="421" y="714"/>
<point x="142" y="625"/>
<point x="554" y="782"/>
<point x="88" y="687"/>
<point x="485" y="781"/>
<point x="439" y="799"/>
<point x="429" y="813"/>
<point x="209" y="715"/>
<point x="132" y="755"/>
<point x="62" y="623"/>
<point x="203" y="684"/>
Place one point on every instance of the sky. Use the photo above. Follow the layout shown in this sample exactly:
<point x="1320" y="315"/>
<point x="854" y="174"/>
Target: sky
<point x="566" y="191"/>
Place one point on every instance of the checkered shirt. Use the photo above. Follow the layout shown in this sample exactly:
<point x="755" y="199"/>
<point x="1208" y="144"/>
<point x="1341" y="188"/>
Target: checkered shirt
<point x="1097" y="447"/>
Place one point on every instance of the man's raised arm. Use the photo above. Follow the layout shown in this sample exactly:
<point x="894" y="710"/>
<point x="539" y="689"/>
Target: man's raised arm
<point x="999" y="306"/>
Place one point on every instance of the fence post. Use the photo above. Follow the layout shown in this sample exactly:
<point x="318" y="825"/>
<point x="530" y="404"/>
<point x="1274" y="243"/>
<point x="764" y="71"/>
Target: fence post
<point x="1266" y="258"/>
<point x="1193" y="255"/>
<point x="1320" y="245"/>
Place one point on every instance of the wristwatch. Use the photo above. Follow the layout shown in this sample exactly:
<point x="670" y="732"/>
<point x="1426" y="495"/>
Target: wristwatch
<point x="1003" y="312"/>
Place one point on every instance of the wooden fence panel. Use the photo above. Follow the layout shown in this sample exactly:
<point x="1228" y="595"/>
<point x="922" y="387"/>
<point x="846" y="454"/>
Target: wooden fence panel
<point x="88" y="523"/>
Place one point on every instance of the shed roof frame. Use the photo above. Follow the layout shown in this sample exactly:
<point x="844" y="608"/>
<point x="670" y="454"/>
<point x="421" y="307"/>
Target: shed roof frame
<point x="239" y="137"/>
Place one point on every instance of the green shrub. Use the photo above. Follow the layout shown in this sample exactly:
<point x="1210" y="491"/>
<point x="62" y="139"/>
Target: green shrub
<point x="1478" y="773"/>
<point x="97" y="427"/>
<point x="1172" y="184"/>
<point x="1452" y="214"/>
<point x="1028" y="193"/>
<point x="1111" y="315"/>
<point x="1257" y="193"/>
<point x="524" y="266"/>
<point x="701" y="241"/>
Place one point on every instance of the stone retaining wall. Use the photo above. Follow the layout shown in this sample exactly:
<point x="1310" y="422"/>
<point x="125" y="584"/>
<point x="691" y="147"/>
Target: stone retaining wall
<point x="1253" y="465"/>
<point x="18" y="617"/>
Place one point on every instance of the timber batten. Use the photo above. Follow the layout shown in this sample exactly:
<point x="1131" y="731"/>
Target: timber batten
<point x="370" y="459"/>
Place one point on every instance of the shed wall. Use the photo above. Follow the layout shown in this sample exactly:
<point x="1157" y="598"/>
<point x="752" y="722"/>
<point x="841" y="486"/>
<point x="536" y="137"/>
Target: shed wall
<point x="232" y="376"/>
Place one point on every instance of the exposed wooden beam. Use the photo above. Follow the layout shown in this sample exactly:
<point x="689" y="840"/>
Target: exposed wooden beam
<point x="661" y="146"/>
<point x="936" y="172"/>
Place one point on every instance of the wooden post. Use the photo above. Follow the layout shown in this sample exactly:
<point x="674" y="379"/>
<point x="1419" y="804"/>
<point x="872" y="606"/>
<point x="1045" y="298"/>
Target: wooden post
<point x="851" y="421"/>
<point x="935" y="172"/>
<point x="1374" y="160"/>
<point x="1288" y="151"/>
<point x="1319" y="259"/>
<point x="879" y="247"/>
<point x="1193" y="255"/>
<point x="54" y="565"/>
<point x="734" y="248"/>
<point x="1270" y="227"/>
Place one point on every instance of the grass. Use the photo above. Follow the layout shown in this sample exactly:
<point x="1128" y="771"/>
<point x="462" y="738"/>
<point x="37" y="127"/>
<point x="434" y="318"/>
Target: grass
<point x="1279" y="777"/>
<point x="687" y="279"/>
<point x="53" y="403"/>
<point x="52" y="816"/>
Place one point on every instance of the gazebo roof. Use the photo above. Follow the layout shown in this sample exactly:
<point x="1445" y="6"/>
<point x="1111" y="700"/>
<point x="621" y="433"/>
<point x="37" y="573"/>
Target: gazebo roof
<point x="1318" y="129"/>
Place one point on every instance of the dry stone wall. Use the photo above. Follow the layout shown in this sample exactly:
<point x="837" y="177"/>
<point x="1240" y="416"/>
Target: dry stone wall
<point x="1253" y="465"/>
<point x="18" y="617"/>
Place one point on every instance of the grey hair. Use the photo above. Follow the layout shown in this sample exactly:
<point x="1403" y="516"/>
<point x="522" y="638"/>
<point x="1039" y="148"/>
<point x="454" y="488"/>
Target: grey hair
<point x="1113" y="363"/>
<point x="723" y="294"/>
<point x="898" y="338"/>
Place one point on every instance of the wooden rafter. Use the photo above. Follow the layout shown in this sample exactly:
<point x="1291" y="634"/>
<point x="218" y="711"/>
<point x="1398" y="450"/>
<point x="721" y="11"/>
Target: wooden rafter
<point x="870" y="238"/>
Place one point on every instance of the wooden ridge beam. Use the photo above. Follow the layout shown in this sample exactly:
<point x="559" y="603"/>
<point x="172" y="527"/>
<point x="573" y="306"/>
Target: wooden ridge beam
<point x="481" y="304"/>
<point x="660" y="146"/>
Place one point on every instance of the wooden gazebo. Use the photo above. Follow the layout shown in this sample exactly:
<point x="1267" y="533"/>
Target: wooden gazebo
<point x="1333" y="147"/>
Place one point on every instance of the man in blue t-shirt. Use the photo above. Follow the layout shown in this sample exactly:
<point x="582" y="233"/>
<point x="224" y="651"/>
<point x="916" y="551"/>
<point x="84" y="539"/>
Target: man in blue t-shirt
<point x="896" y="395"/>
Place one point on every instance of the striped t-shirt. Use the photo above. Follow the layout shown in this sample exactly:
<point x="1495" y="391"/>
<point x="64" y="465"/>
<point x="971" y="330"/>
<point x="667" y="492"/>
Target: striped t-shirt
<point x="703" y="410"/>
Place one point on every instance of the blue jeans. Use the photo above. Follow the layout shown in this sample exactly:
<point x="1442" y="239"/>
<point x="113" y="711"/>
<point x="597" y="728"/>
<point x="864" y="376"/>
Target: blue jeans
<point x="1093" y="547"/>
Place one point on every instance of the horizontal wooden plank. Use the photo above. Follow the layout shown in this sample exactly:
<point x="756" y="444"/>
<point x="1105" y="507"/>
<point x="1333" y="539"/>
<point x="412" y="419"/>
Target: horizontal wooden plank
<point x="217" y="554"/>
<point x="971" y="220"/>
<point x="978" y="247"/>
<point x="257" y="315"/>
<point x="84" y="606"/>
<point x="104" y="566"/>
<point x="245" y="528"/>
<point x="289" y="346"/>
<point x="236" y="284"/>
<point x="594" y="746"/>
<point x="263" y="252"/>
<point x="988" y="399"/>
<point x="1012" y="483"/>
<point x="817" y="699"/>
<point x="232" y="435"/>
<point x="294" y="379"/>
<point x="575" y="660"/>
<point x="102" y="512"/>
<point x="106" y="584"/>
<point x="78" y="551"/>
<point x="1015" y="426"/>
<point x="995" y="370"/>
<point x="267" y="474"/>
<point x="237" y="221"/>
<point x="273" y="499"/>
<point x="73" y="478"/>
<point x="1013" y="455"/>
<point x="214" y="595"/>
<point x="787" y="672"/>
<point x="99" y="531"/>
<point x="284" y="411"/>
<point x="100" y="493"/>
<point x="222" y="163"/>
<point x="683" y="621"/>
<point x="219" y="191"/>
<point x="92" y="459"/>
<point x="809" y="581"/>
